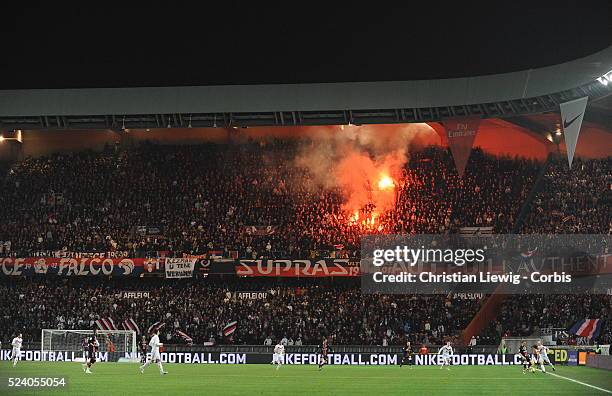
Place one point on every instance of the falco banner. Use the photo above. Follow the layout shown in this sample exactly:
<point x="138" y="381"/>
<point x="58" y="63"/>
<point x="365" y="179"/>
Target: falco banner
<point x="460" y="134"/>
<point x="29" y="266"/>
<point x="572" y="113"/>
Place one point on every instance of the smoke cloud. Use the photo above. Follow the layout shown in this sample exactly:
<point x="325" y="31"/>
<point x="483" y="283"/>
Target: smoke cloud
<point x="363" y="162"/>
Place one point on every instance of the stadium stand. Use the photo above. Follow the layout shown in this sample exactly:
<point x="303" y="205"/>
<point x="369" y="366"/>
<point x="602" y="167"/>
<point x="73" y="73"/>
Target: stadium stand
<point x="199" y="198"/>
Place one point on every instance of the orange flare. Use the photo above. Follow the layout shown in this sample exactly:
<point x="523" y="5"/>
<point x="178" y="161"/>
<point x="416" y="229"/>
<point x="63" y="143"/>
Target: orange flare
<point x="385" y="183"/>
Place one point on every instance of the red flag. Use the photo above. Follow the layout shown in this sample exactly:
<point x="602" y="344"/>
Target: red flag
<point x="130" y="324"/>
<point x="185" y="337"/>
<point x="156" y="325"/>
<point x="106" y="324"/>
<point x="101" y="325"/>
<point x="230" y="328"/>
<point x="109" y="324"/>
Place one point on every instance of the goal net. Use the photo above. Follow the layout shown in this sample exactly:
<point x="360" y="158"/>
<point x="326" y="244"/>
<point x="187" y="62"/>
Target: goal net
<point x="513" y="343"/>
<point x="118" y="341"/>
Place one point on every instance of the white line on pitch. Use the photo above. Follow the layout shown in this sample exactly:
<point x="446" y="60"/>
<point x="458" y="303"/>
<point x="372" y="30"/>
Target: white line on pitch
<point x="580" y="382"/>
<point x="360" y="378"/>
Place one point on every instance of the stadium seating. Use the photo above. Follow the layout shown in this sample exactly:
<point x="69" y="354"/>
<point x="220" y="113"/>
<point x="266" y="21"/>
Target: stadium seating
<point x="201" y="197"/>
<point x="194" y="199"/>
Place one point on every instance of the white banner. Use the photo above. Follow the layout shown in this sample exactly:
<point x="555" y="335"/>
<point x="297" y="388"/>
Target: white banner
<point x="247" y="295"/>
<point x="572" y="113"/>
<point x="179" y="267"/>
<point x="133" y="294"/>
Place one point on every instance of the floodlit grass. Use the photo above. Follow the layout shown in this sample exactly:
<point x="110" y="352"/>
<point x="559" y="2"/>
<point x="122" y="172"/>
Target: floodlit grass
<point x="184" y="379"/>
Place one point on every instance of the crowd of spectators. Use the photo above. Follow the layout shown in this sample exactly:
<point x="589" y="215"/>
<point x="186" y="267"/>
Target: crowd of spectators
<point x="303" y="311"/>
<point x="199" y="198"/>
<point x="298" y="311"/>
<point x="568" y="201"/>
<point x="573" y="201"/>
<point x="527" y="315"/>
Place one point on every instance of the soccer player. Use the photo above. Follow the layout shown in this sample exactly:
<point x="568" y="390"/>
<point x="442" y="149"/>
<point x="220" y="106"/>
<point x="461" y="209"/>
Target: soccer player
<point x="535" y="358"/>
<point x="524" y="356"/>
<point x="407" y="358"/>
<point x="446" y="351"/>
<point x="92" y="349"/>
<point x="143" y="350"/>
<point x="16" y="353"/>
<point x="543" y="349"/>
<point x="323" y="351"/>
<point x="84" y="346"/>
<point x="155" y="356"/>
<point x="279" y="355"/>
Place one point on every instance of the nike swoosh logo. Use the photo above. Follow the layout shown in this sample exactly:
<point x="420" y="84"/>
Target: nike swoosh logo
<point x="566" y="123"/>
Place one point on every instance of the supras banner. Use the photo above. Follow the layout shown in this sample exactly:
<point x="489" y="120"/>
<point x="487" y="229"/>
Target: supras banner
<point x="298" y="268"/>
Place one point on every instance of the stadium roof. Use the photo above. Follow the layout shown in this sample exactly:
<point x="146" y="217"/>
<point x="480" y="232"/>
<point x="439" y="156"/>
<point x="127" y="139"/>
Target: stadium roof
<point x="503" y="95"/>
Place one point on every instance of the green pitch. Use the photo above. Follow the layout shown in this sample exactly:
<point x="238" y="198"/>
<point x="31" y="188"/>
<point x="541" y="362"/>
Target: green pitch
<point x="182" y="379"/>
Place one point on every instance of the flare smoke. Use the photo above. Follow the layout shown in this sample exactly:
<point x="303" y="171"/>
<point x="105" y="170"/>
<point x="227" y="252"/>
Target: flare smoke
<point x="360" y="160"/>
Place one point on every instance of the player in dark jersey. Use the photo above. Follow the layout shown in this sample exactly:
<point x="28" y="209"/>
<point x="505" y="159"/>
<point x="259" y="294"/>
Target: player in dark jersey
<point x="84" y="346"/>
<point x="323" y="351"/>
<point x="524" y="356"/>
<point x="143" y="350"/>
<point x="407" y="357"/>
<point x="92" y="350"/>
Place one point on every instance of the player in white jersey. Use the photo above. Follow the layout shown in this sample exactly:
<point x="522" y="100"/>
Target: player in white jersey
<point x="534" y="358"/>
<point x="155" y="356"/>
<point x="279" y="355"/>
<point x="16" y="353"/>
<point x="446" y="351"/>
<point x="543" y="352"/>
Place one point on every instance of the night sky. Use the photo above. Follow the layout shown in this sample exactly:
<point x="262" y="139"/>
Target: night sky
<point x="46" y="45"/>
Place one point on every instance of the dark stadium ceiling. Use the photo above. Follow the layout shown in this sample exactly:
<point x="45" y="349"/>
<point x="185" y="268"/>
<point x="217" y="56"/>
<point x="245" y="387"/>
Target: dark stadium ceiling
<point x="54" y="45"/>
<point x="154" y="46"/>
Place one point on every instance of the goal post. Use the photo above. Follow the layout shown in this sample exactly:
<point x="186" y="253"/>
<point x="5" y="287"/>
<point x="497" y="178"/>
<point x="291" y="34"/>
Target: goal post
<point x="119" y="341"/>
<point x="513" y="343"/>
